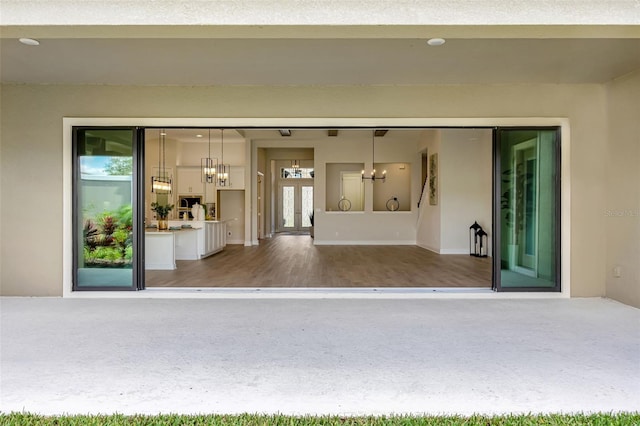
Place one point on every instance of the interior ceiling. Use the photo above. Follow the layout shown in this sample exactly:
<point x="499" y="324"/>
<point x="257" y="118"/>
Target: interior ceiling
<point x="190" y="135"/>
<point x="388" y="61"/>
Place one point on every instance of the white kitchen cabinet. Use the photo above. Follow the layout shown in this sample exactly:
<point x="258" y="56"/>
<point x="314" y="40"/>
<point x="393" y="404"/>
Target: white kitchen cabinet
<point x="190" y="181"/>
<point x="159" y="251"/>
<point x="236" y="176"/>
<point x="212" y="237"/>
<point x="204" y="238"/>
<point x="186" y="244"/>
<point x="210" y="192"/>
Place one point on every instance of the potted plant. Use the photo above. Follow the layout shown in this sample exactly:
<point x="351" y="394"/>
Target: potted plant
<point x="311" y="227"/>
<point x="162" y="211"/>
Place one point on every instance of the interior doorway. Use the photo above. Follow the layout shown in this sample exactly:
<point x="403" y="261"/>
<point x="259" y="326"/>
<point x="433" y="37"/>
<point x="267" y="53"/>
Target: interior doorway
<point x="295" y="206"/>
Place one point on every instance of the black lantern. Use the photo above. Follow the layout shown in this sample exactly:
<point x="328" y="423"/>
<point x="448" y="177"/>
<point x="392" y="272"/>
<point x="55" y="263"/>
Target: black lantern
<point x="481" y="248"/>
<point x="473" y="238"/>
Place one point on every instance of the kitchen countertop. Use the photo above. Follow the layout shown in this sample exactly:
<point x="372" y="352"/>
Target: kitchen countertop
<point x="166" y="231"/>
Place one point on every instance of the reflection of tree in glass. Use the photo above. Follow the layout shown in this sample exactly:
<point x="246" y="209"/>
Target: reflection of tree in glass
<point x="119" y="166"/>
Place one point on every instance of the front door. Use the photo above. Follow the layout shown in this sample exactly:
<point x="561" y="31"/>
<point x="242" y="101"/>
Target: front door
<point x="296" y="205"/>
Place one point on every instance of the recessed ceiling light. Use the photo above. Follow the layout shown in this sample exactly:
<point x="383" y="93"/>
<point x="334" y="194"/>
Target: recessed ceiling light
<point x="29" y="41"/>
<point x="198" y="136"/>
<point x="163" y="133"/>
<point x="436" y="41"/>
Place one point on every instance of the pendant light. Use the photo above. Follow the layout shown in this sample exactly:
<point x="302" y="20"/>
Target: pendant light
<point x="209" y="166"/>
<point x="162" y="182"/>
<point x="223" y="169"/>
<point x="373" y="175"/>
<point x="295" y="164"/>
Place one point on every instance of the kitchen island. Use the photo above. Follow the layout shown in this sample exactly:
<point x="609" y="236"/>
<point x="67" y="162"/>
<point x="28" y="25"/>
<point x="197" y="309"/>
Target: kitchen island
<point x="192" y="240"/>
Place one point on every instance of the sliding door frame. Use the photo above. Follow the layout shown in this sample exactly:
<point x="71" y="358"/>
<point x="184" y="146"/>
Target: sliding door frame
<point x="497" y="207"/>
<point x="137" y="200"/>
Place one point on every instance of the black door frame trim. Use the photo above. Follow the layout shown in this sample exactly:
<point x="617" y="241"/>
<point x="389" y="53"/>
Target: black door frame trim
<point x="138" y="214"/>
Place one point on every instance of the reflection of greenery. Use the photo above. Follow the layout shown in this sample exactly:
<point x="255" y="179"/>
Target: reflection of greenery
<point x="119" y="166"/>
<point x="108" y="238"/>
<point x="512" y="199"/>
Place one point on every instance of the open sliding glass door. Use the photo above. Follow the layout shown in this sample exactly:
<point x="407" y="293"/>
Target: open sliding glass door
<point x="108" y="226"/>
<point x="526" y="213"/>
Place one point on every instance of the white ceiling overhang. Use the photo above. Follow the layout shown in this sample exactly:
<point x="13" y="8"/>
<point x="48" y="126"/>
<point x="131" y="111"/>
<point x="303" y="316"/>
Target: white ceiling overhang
<point x="303" y="61"/>
<point x="287" y="42"/>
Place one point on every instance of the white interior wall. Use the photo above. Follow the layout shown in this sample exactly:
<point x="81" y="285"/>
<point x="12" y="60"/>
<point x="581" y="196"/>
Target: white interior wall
<point x="429" y="225"/>
<point x="622" y="210"/>
<point x="333" y="185"/>
<point x="191" y="153"/>
<point x="232" y="211"/>
<point x="465" y="186"/>
<point x="367" y="227"/>
<point x="351" y="227"/>
<point x="396" y="185"/>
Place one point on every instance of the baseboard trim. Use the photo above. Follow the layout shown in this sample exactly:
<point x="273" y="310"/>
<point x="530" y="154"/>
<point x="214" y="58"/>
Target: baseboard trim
<point x="454" y="251"/>
<point x="445" y="251"/>
<point x="426" y="247"/>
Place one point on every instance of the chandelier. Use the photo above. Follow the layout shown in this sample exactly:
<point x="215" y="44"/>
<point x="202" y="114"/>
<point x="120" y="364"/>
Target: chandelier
<point x="162" y="182"/>
<point x="373" y="176"/>
<point x="209" y="166"/>
<point x="223" y="169"/>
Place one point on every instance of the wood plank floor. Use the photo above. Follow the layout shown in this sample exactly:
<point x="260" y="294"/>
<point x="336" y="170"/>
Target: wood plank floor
<point x="293" y="261"/>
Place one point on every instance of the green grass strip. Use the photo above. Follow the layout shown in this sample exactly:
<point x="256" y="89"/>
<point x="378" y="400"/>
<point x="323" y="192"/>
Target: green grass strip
<point x="604" y="419"/>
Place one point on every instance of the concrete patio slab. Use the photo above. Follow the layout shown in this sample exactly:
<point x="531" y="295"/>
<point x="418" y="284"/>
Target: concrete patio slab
<point x="318" y="356"/>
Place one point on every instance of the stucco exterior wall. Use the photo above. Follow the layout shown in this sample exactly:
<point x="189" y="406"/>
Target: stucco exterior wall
<point x="622" y="212"/>
<point x="31" y="163"/>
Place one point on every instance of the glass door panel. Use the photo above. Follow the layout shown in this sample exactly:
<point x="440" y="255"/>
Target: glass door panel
<point x="104" y="220"/>
<point x="307" y="205"/>
<point x="528" y="208"/>
<point x="288" y="207"/>
<point x="296" y="204"/>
